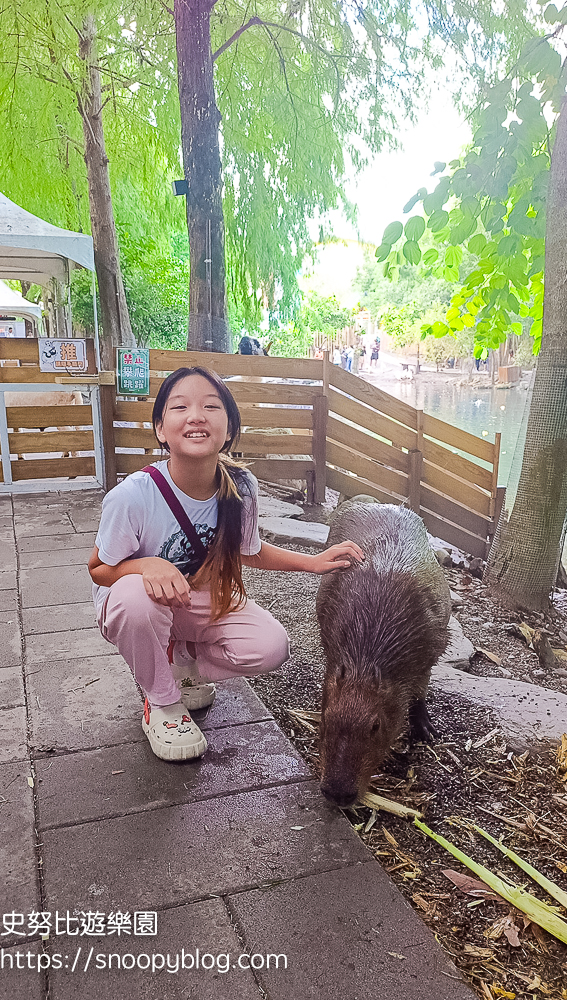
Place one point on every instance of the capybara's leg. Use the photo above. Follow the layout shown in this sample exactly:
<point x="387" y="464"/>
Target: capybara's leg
<point x="421" y="726"/>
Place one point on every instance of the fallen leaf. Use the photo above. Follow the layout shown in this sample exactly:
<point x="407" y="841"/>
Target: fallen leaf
<point x="541" y="938"/>
<point x="491" y="656"/>
<point x="471" y="886"/>
<point x="118" y="772"/>
<point x="504" y="925"/>
<point x="391" y="840"/>
<point x="296" y="828"/>
<point x="499" y="992"/>
<point x="526" y="633"/>
<point x="475" y="952"/>
<point x="30" y="782"/>
<point x="396" y="954"/>
<point x="562" y="758"/>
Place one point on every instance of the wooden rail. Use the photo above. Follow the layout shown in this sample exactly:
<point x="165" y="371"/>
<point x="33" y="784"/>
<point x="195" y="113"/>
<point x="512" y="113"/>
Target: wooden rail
<point x="302" y="420"/>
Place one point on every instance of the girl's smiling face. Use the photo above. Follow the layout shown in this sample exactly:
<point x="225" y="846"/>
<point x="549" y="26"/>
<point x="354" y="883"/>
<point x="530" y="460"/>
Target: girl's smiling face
<point x="195" y="422"/>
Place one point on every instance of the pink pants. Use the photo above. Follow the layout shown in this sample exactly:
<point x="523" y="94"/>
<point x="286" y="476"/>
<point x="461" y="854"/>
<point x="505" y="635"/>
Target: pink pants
<point x="243" y="643"/>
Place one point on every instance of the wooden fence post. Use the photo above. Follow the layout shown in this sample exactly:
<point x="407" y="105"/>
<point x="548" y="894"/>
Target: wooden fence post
<point x="415" y="456"/>
<point x="107" y="396"/>
<point x="320" y="414"/>
<point x="414" y="480"/>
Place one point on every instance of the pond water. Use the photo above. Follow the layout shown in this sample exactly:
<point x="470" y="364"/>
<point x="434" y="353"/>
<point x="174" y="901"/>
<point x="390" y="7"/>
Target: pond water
<point x="472" y="408"/>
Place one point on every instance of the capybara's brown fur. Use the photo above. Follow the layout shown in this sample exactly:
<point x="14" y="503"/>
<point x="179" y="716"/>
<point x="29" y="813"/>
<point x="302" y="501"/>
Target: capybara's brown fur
<point x="383" y="625"/>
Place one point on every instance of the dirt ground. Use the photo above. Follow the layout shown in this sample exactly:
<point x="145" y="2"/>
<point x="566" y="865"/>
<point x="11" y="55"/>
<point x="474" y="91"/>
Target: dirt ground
<point x="469" y="776"/>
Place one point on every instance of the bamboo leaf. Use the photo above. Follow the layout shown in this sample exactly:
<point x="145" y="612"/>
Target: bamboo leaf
<point x="542" y="914"/>
<point x="550" y="887"/>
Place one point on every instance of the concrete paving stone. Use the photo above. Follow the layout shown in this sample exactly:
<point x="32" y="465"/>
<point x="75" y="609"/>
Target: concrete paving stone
<point x="45" y="543"/>
<point x="67" y="645"/>
<point x="7" y="554"/>
<point x="25" y="982"/>
<point x="10" y="649"/>
<point x="66" y="556"/>
<point x="527" y="713"/>
<point x="81" y="787"/>
<point x="84" y="524"/>
<point x="8" y="580"/>
<point x="59" y="618"/>
<point x="11" y="688"/>
<point x="42" y="523"/>
<point x="176" y="855"/>
<point x="9" y="600"/>
<point x="272" y="507"/>
<point x="13" y="728"/>
<point x="205" y="926"/>
<point x="346" y="933"/>
<point x="43" y="587"/>
<point x="236" y="703"/>
<point x="69" y="713"/>
<point x="459" y="650"/>
<point x="18" y="862"/>
<point x="284" y="529"/>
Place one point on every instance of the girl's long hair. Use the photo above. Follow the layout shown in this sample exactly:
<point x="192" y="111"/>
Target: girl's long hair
<point x="223" y="565"/>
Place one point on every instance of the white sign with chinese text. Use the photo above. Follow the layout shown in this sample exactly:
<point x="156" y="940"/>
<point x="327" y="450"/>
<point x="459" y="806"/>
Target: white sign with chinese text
<point x="66" y="357"/>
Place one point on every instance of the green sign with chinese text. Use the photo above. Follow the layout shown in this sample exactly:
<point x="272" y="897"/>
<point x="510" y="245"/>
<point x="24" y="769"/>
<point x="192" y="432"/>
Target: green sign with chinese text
<point x="132" y="371"/>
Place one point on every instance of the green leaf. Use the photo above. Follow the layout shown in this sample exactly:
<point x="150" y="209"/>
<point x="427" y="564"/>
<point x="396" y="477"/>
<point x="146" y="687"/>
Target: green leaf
<point x="392" y="233"/>
<point x="411" y="251"/>
<point x="438" y="168"/>
<point x="430" y="256"/>
<point x="409" y="204"/>
<point x="414" y="228"/>
<point x="439" y="329"/>
<point x="517" y="329"/>
<point x="383" y="251"/>
<point x="550" y="13"/>
<point x="477" y="243"/>
<point x="467" y="319"/>
<point x="453" y="256"/>
<point x="438" y="221"/>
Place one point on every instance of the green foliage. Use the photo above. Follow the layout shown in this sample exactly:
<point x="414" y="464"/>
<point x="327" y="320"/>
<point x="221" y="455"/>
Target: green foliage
<point x="493" y="204"/>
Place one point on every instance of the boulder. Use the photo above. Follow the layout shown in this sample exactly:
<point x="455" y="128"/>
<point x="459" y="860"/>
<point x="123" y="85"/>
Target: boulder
<point x="460" y="649"/>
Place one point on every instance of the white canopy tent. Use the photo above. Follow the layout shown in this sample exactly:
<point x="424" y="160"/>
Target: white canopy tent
<point x="13" y="304"/>
<point x="33" y="250"/>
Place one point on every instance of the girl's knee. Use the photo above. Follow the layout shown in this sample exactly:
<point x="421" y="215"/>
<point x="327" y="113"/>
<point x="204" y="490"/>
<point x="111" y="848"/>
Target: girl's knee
<point x="276" y="650"/>
<point x="128" y="597"/>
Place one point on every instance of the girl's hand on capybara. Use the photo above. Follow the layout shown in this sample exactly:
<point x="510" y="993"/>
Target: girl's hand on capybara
<point x="340" y="556"/>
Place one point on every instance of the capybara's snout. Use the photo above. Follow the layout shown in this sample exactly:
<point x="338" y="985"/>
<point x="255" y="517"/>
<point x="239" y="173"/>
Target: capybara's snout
<point x="338" y="794"/>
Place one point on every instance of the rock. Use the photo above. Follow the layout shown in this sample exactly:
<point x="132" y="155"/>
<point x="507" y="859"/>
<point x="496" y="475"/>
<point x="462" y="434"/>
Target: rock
<point x="459" y="650"/>
<point x="272" y="507"/>
<point x="284" y="529"/>
<point x="443" y="557"/>
<point x="456" y="600"/>
<point x="476" y="567"/>
<point x="560" y="672"/>
<point x="364" y="498"/>
<point x="525" y="711"/>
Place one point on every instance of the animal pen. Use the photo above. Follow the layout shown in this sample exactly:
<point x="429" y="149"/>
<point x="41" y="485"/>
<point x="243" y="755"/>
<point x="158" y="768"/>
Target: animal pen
<point x="302" y="419"/>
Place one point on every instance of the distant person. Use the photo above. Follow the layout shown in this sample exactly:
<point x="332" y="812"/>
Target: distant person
<point x="375" y="354"/>
<point x="361" y="356"/>
<point x="318" y="354"/>
<point x="344" y="358"/>
<point x="350" y="356"/>
<point x="336" y="356"/>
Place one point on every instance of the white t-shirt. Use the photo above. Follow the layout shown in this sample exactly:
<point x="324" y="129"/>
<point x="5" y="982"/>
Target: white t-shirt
<point x="136" y="522"/>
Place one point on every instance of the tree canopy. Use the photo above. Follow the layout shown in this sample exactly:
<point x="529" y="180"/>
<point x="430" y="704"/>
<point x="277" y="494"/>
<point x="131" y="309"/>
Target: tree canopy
<point x="302" y="92"/>
<point x="491" y="203"/>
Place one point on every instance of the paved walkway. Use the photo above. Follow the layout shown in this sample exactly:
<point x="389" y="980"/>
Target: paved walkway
<point x="237" y="854"/>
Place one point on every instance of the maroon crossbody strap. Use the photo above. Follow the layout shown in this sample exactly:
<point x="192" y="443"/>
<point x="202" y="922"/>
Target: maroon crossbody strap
<point x="177" y="510"/>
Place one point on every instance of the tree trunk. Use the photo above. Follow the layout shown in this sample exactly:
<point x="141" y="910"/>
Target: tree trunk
<point x="116" y="328"/>
<point x="523" y="563"/>
<point x="200" y="120"/>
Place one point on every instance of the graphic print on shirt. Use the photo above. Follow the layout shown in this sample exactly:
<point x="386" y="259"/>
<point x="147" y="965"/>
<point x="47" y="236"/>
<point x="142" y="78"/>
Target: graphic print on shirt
<point x="177" y="549"/>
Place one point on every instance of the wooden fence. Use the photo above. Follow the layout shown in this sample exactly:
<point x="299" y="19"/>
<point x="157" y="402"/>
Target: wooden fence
<point x="304" y="420"/>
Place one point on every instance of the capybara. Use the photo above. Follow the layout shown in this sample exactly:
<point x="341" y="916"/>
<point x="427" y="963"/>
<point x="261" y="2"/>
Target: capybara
<point x="383" y="625"/>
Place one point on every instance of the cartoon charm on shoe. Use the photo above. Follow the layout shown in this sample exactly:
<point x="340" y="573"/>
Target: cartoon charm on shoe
<point x="171" y="732"/>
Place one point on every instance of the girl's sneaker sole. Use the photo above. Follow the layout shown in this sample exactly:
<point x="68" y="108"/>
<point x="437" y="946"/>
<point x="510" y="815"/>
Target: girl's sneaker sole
<point x="169" y="751"/>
